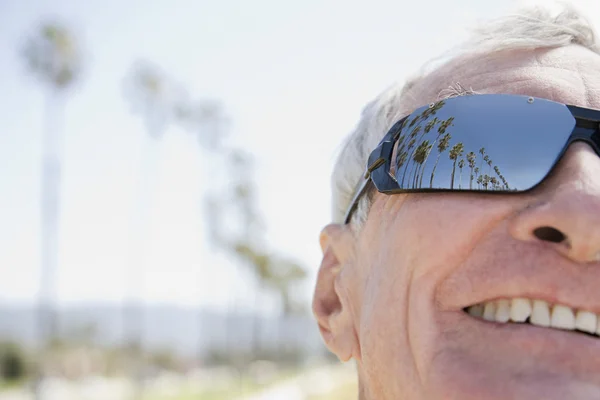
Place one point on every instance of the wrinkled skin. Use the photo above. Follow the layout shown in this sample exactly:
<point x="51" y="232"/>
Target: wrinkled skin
<point x="392" y="297"/>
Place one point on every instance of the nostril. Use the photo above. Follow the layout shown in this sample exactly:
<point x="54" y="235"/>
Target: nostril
<point x="549" y="234"/>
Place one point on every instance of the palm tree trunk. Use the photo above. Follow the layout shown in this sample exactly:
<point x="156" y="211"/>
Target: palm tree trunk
<point x="256" y="327"/>
<point x="453" y="170"/>
<point x="481" y="164"/>
<point x="425" y="162"/>
<point x="404" y="173"/>
<point x="133" y="310"/>
<point x="408" y="159"/>
<point x="421" y="172"/>
<point x="416" y="175"/>
<point x="412" y="166"/>
<point x="52" y="147"/>
<point x="471" y="179"/>
<point x="433" y="172"/>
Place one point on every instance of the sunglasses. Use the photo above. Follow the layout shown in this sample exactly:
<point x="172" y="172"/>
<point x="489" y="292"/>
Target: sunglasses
<point x="494" y="143"/>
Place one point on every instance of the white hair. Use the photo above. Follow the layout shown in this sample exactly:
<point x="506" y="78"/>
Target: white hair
<point x="531" y="28"/>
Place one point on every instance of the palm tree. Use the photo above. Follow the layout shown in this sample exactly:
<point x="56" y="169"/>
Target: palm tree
<point x="419" y="158"/>
<point x="430" y="125"/>
<point x="152" y="95"/>
<point x="414" y="140"/>
<point x="455" y="152"/>
<point x="486" y="159"/>
<point x="206" y="119"/>
<point x="445" y="125"/>
<point x="494" y="182"/>
<point x="428" y="148"/>
<point x="401" y="160"/>
<point x="284" y="276"/>
<point x="486" y="181"/>
<point x="461" y="164"/>
<point x="504" y="183"/>
<point x="411" y="144"/>
<point x="483" y="157"/>
<point x="272" y="272"/>
<point x="440" y="131"/>
<point x="441" y="147"/>
<point x="53" y="55"/>
<point x="471" y="160"/>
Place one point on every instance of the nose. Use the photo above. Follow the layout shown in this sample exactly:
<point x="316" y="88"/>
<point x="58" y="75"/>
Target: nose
<point x="564" y="212"/>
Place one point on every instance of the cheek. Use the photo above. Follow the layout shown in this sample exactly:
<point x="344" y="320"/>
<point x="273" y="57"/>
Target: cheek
<point x="386" y="356"/>
<point x="444" y="228"/>
<point x="414" y="249"/>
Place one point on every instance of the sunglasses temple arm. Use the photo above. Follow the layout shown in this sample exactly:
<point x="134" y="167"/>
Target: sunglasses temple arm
<point x="354" y="204"/>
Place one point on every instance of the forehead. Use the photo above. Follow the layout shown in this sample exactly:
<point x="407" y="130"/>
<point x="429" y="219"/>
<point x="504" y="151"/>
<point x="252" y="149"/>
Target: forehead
<point x="568" y="75"/>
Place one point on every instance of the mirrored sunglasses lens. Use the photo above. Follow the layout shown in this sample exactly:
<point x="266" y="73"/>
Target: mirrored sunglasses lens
<point x="482" y="143"/>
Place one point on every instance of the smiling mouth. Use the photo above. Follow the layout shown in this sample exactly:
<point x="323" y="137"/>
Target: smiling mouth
<point x="538" y="313"/>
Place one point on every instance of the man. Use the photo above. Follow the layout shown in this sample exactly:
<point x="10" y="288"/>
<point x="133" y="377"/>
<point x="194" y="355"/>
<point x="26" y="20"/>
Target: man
<point x="463" y="260"/>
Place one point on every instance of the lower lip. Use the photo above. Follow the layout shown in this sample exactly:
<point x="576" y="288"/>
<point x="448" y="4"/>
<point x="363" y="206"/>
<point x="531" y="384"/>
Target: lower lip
<point x="528" y="337"/>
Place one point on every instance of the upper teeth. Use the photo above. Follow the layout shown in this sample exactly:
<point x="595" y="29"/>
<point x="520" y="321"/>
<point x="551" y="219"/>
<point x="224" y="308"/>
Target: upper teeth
<point x="537" y="312"/>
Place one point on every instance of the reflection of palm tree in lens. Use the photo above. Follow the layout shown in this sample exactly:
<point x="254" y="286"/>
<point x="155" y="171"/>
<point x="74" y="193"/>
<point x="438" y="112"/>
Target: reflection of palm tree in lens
<point x="486" y="159"/>
<point x="479" y="181"/>
<point x="444" y="125"/>
<point x="489" y="163"/>
<point x="471" y="160"/>
<point x="455" y="152"/>
<point x="411" y="144"/>
<point x="482" y="152"/>
<point x="494" y="182"/>
<point x="424" y="150"/>
<point x="415" y="131"/>
<point x="419" y="158"/>
<point x="414" y="139"/>
<point x="400" y="147"/>
<point x="401" y="160"/>
<point x="414" y="121"/>
<point x="486" y="181"/>
<point x="502" y="183"/>
<point x="430" y="125"/>
<point x="428" y="150"/>
<point x="461" y="164"/>
<point x="441" y="147"/>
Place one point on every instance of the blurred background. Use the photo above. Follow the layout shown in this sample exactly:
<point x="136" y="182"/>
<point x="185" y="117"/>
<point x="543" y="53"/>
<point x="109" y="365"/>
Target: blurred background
<point x="164" y="175"/>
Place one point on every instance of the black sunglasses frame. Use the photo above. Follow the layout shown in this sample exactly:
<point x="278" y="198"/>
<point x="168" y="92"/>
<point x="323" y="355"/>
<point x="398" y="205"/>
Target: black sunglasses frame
<point x="587" y="129"/>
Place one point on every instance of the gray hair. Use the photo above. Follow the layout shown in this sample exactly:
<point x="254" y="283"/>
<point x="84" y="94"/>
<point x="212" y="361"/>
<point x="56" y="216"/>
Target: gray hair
<point x="531" y="28"/>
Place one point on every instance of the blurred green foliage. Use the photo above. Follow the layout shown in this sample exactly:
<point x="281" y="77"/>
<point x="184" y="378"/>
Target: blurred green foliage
<point x="13" y="362"/>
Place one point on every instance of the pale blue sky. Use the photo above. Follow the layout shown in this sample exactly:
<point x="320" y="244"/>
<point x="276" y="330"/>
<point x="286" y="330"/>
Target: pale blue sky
<point x="292" y="75"/>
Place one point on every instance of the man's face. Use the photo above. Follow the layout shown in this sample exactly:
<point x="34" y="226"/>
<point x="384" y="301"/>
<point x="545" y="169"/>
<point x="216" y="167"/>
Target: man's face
<point x="393" y="298"/>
